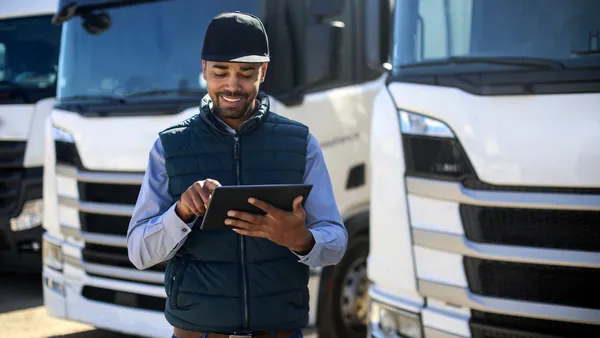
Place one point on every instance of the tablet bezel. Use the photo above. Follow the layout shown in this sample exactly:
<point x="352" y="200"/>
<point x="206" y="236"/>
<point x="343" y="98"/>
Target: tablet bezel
<point x="235" y="197"/>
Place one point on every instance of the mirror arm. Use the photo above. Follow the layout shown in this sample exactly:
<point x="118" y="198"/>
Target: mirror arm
<point x="384" y="68"/>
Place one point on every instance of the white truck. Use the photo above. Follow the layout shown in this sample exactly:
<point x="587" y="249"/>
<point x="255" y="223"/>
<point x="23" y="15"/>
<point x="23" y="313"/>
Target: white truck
<point x="485" y="172"/>
<point x="129" y="69"/>
<point x="29" y="50"/>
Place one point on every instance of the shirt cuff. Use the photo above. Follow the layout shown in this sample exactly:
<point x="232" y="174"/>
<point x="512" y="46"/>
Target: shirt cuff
<point x="175" y="228"/>
<point x="313" y="256"/>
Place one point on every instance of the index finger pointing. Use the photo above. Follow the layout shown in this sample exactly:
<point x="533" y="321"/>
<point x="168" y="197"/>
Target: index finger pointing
<point x="207" y="188"/>
<point x="211" y="184"/>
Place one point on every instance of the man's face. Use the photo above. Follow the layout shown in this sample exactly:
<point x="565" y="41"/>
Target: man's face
<point x="232" y="86"/>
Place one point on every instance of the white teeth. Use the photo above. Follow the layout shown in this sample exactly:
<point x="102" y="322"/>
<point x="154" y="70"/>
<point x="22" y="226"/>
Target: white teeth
<point x="230" y="100"/>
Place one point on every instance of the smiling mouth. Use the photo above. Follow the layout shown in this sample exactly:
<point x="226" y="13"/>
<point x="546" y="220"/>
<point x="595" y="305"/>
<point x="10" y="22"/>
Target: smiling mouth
<point x="231" y="99"/>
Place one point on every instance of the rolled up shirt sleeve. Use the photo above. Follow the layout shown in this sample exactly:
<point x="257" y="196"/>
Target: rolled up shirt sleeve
<point x="155" y="231"/>
<point x="322" y="215"/>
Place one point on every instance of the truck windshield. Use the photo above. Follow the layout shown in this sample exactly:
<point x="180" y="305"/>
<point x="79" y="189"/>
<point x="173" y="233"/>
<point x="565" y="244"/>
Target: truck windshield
<point x="151" y="48"/>
<point x="456" y="35"/>
<point x="29" y="50"/>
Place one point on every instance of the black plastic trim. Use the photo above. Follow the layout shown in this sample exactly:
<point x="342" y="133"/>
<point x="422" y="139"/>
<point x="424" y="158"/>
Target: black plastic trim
<point x="30" y="188"/>
<point x="538" y="82"/>
<point x="122" y="298"/>
<point x="549" y="284"/>
<point x="26" y="95"/>
<point x="356" y="176"/>
<point x="470" y="179"/>
<point x="486" y="325"/>
<point x="137" y="107"/>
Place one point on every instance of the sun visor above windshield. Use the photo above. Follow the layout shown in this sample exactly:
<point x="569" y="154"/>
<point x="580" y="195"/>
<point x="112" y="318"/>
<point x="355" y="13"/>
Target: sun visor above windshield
<point x="69" y="8"/>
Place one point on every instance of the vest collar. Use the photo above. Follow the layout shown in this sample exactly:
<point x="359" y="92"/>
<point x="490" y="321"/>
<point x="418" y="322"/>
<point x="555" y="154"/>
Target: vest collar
<point x="261" y="112"/>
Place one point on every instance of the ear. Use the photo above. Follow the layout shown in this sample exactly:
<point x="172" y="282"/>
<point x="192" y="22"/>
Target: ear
<point x="263" y="72"/>
<point x="204" y="65"/>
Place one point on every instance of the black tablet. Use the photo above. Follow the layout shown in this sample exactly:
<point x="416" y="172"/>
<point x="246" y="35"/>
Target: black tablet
<point x="236" y="197"/>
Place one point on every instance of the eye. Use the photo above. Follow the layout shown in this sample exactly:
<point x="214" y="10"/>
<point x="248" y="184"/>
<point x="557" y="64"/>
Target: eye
<point x="246" y="76"/>
<point x="220" y="75"/>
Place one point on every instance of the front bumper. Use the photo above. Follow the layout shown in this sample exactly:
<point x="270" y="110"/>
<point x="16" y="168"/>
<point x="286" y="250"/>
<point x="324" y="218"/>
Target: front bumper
<point x="63" y="299"/>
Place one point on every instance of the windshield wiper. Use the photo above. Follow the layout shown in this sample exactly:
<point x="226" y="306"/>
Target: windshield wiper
<point x="508" y="61"/>
<point x="18" y="88"/>
<point x="106" y="98"/>
<point x="159" y="92"/>
<point x="10" y="83"/>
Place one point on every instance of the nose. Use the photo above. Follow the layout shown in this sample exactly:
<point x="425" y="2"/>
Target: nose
<point x="233" y="84"/>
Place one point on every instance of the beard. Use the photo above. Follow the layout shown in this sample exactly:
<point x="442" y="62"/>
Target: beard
<point x="225" y="109"/>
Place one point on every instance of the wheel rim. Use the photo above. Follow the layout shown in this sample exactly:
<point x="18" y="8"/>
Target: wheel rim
<point x="354" y="300"/>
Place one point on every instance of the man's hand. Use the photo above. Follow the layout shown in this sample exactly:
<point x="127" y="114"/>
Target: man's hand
<point x="282" y="227"/>
<point x="194" y="200"/>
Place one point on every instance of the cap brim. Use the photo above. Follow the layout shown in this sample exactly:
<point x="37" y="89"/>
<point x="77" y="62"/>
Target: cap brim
<point x="245" y="58"/>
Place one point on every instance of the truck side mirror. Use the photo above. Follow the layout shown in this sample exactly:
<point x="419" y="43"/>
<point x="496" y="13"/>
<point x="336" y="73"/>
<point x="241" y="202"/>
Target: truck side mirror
<point x="305" y="44"/>
<point x="323" y="42"/>
<point x="378" y="19"/>
<point x="96" y="23"/>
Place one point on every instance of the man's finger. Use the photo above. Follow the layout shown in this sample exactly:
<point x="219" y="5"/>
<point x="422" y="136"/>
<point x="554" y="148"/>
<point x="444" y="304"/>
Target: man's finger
<point x="198" y="204"/>
<point x="203" y="193"/>
<point x="242" y="224"/>
<point x="211" y="184"/>
<point x="264" y="206"/>
<point x="250" y="233"/>
<point x="189" y="204"/>
<point x="298" y="210"/>
<point x="248" y="217"/>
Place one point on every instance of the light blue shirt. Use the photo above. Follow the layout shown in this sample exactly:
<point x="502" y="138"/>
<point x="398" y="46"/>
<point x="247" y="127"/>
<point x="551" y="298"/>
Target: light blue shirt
<point x="155" y="231"/>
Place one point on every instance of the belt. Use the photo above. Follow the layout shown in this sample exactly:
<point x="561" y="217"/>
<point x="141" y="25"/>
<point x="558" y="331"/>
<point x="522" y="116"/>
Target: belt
<point x="179" y="333"/>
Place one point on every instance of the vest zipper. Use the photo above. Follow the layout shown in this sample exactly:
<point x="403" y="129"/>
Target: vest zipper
<point x="236" y="155"/>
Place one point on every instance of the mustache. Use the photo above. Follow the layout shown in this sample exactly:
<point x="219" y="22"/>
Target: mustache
<point x="231" y="94"/>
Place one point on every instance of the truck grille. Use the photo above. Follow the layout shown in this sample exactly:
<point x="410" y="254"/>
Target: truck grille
<point x="112" y="255"/>
<point x="106" y="193"/>
<point x="490" y="325"/>
<point x="127" y="299"/>
<point x="527" y="252"/>
<point x="104" y="224"/>
<point x="535" y="228"/>
<point x="556" y="229"/>
<point x="562" y="285"/>
<point x="12" y="154"/>
<point x="109" y="193"/>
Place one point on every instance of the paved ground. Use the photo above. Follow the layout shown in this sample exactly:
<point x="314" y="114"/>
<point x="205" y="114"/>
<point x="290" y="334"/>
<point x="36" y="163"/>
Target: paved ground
<point x="22" y="314"/>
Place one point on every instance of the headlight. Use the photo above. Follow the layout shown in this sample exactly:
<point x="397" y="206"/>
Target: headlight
<point x="61" y="135"/>
<point x="431" y="148"/>
<point x="52" y="255"/>
<point x="386" y="321"/>
<point x="31" y="216"/>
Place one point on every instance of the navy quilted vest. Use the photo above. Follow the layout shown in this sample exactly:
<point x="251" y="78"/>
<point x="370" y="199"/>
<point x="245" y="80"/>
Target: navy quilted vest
<point x="219" y="280"/>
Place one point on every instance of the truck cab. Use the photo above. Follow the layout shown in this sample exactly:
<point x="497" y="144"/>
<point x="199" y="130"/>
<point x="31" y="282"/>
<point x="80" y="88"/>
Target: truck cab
<point x="129" y="69"/>
<point x="485" y="185"/>
<point x="29" y="50"/>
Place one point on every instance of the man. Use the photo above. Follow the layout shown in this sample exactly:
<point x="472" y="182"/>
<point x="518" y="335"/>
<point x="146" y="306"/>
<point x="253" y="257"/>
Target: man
<point x="250" y="281"/>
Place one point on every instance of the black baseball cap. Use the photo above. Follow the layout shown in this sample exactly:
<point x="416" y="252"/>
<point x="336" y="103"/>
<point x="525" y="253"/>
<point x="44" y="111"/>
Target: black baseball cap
<point x="236" y="37"/>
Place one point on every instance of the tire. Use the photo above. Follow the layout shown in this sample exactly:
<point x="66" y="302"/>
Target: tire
<point x="346" y="303"/>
